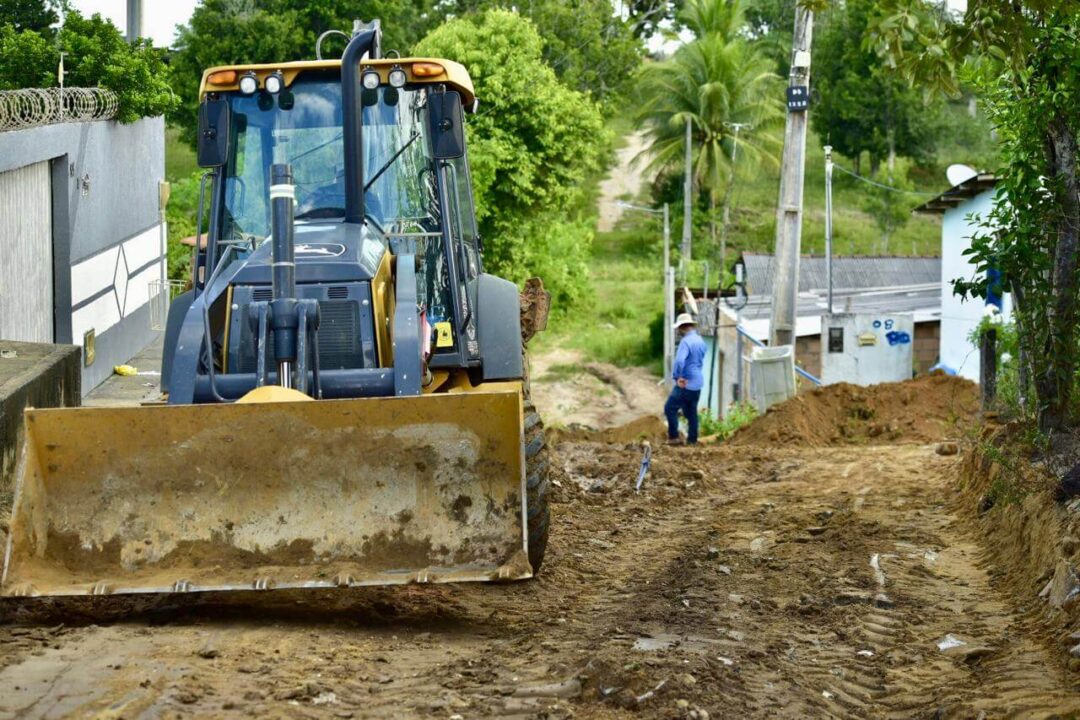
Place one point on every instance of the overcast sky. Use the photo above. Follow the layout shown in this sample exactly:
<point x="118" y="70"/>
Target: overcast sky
<point x="160" y="17"/>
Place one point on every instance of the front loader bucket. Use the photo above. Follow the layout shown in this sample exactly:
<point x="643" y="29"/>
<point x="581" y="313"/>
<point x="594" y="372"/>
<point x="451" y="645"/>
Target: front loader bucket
<point x="312" y="494"/>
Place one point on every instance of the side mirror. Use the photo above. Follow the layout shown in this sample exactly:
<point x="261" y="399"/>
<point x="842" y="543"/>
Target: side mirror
<point x="447" y="125"/>
<point x="215" y="118"/>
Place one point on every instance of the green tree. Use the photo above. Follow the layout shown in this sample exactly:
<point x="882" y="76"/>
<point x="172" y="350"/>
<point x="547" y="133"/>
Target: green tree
<point x="532" y="146"/>
<point x="1024" y="58"/>
<point x="35" y="15"/>
<point x="590" y="49"/>
<point x="705" y="18"/>
<point x="226" y="32"/>
<point x="645" y="16"/>
<point x="27" y="59"/>
<point x="890" y="208"/>
<point x="97" y="55"/>
<point x="860" y="105"/>
<point x="712" y="82"/>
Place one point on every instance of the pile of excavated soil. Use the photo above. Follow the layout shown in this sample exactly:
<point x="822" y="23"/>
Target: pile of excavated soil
<point x="926" y="409"/>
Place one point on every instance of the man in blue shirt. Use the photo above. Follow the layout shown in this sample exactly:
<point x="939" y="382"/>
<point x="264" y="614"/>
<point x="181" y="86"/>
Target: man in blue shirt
<point x="689" y="378"/>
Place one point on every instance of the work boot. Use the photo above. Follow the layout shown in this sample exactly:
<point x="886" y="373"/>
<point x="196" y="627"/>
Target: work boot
<point x="676" y="441"/>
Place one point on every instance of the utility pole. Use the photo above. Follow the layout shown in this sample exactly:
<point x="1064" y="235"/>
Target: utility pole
<point x="134" y="20"/>
<point x="736" y="127"/>
<point x="669" y="302"/>
<point x="789" y="209"/>
<point x="828" y="222"/>
<point x="688" y="191"/>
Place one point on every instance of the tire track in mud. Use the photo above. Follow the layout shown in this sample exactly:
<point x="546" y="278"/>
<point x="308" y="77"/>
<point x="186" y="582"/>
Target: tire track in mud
<point x="741" y="582"/>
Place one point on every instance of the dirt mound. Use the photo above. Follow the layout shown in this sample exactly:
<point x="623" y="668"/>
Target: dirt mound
<point x="926" y="409"/>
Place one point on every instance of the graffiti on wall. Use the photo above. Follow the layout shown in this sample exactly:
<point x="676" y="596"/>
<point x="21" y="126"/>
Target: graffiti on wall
<point x="893" y="337"/>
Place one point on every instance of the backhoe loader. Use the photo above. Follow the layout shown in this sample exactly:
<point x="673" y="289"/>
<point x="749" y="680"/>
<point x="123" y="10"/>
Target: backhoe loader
<point x="347" y="393"/>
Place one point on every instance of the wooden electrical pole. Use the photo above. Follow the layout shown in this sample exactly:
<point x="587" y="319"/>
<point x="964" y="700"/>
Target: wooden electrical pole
<point x="789" y="209"/>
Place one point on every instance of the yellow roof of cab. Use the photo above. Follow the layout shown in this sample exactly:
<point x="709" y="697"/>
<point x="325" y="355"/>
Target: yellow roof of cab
<point x="220" y="79"/>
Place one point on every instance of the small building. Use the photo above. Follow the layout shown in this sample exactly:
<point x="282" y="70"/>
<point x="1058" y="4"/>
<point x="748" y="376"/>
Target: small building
<point x="963" y="207"/>
<point x="904" y="290"/>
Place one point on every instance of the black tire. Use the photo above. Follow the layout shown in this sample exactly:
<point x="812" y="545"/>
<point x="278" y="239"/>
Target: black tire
<point x="537" y="480"/>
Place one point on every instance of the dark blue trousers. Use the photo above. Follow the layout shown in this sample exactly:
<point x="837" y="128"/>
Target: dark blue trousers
<point x="686" y="401"/>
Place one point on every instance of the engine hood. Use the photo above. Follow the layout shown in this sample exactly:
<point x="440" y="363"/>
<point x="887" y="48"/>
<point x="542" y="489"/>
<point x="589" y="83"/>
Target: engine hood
<point x="325" y="253"/>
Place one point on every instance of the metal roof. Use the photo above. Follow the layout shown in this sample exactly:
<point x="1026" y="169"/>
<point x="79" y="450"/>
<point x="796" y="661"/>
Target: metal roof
<point x="884" y="285"/>
<point x="958" y="194"/>
<point x="849" y="273"/>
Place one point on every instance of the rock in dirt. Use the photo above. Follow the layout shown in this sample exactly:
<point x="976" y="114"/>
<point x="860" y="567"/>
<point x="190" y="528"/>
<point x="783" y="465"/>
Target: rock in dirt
<point x="947" y="448"/>
<point x="1064" y="587"/>
<point x="1069" y="485"/>
<point x="569" y="688"/>
<point x="208" y="651"/>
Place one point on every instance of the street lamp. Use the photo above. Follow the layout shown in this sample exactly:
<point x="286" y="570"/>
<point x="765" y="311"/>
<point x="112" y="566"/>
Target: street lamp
<point x="669" y="283"/>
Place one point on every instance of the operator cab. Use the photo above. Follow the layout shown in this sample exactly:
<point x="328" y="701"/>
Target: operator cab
<point x="416" y="197"/>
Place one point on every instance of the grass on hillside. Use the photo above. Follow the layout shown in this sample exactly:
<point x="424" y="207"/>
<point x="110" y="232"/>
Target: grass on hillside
<point x="180" y="162"/>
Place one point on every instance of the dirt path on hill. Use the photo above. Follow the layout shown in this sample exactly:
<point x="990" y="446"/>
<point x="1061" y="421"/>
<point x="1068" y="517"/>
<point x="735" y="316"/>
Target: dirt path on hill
<point x="624" y="182"/>
<point x="749" y="581"/>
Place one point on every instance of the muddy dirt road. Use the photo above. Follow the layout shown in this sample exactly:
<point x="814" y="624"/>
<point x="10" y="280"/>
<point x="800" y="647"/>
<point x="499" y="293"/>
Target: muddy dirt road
<point x="744" y="581"/>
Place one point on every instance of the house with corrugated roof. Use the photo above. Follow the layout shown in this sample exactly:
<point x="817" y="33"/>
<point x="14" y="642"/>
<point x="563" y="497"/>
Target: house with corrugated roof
<point x="881" y="286"/>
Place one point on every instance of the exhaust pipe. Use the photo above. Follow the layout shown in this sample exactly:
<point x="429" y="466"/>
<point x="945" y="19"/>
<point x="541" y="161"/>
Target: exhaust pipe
<point x="366" y="40"/>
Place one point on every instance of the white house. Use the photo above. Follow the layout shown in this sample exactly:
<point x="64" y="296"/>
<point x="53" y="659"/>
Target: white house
<point x="964" y="207"/>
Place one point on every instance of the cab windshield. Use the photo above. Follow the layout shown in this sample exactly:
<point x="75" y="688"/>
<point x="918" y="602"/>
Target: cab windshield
<point x="302" y="126"/>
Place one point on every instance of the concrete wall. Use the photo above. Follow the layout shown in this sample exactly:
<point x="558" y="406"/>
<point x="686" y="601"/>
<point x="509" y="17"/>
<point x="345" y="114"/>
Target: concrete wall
<point x="959" y="318"/>
<point x="875" y="348"/>
<point x="925" y="349"/>
<point x="107" y="232"/>
<point x="31" y="375"/>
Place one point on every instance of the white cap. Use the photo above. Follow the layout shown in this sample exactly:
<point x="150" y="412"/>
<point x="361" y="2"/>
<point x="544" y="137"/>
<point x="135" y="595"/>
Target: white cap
<point x="684" y="319"/>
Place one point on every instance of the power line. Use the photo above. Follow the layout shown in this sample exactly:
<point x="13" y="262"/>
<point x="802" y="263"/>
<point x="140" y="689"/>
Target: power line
<point x="868" y="181"/>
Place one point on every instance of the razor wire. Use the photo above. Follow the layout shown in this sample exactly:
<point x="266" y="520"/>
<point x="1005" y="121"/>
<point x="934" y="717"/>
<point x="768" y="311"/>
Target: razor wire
<point x="34" y="107"/>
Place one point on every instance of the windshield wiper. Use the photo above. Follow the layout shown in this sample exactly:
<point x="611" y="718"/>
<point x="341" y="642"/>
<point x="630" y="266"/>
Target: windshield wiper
<point x="391" y="161"/>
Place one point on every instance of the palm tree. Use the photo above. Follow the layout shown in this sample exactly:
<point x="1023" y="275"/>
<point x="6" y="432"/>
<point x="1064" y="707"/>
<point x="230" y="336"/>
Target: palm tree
<point x="714" y="82"/>
<point x="706" y="18"/>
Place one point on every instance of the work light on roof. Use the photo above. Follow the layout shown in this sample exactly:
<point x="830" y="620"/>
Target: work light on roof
<point x="370" y="79"/>
<point x="397" y="77"/>
<point x="249" y="83"/>
<point x="274" y="82"/>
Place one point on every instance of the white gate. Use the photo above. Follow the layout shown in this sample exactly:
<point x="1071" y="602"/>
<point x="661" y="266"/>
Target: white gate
<point x="26" y="254"/>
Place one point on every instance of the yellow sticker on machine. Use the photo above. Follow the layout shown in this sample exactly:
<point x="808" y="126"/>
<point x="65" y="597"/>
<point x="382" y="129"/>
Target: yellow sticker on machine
<point x="444" y="334"/>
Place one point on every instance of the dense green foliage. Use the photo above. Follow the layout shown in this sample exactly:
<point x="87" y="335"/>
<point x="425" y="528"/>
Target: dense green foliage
<point x="97" y="55"/>
<point x="224" y="32"/>
<point x="590" y="49"/>
<point x="1024" y="59"/>
<point x="860" y="105"/>
<point x="532" y="146"/>
<point x="34" y="15"/>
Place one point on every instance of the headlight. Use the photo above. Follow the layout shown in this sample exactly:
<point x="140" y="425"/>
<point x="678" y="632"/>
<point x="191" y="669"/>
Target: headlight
<point x="397" y="77"/>
<point x="370" y="79"/>
<point x="274" y="83"/>
<point x="249" y="83"/>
